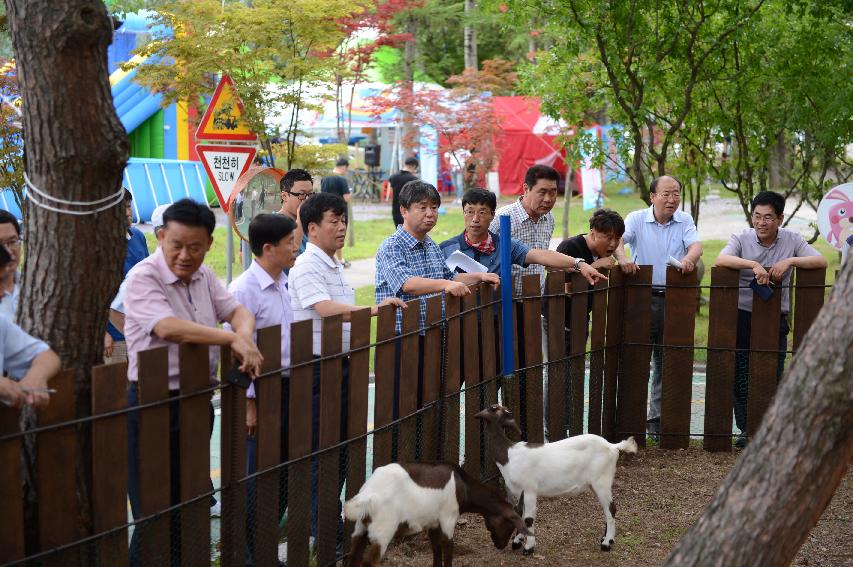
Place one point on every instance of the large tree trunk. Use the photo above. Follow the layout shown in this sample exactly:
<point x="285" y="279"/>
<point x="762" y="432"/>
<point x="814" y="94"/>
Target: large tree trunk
<point x="786" y="476"/>
<point x="470" y="36"/>
<point x="76" y="150"/>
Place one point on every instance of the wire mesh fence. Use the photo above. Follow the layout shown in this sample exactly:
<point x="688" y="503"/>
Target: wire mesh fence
<point x="588" y="362"/>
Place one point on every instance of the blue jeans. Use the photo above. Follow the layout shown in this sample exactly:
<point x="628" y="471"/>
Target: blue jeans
<point x="175" y="471"/>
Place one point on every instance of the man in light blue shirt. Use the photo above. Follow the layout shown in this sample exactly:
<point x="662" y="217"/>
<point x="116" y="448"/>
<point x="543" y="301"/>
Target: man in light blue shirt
<point x="655" y="234"/>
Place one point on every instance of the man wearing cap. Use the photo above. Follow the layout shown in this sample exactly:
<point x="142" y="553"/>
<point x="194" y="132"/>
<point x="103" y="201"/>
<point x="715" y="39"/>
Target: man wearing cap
<point x="115" y="347"/>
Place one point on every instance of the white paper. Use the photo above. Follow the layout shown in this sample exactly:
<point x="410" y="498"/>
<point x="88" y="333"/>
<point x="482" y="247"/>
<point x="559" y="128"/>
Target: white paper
<point x="674" y="263"/>
<point x="465" y="263"/>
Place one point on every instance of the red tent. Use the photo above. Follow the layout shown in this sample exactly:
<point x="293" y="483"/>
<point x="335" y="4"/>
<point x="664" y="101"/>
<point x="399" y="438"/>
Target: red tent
<point x="528" y="138"/>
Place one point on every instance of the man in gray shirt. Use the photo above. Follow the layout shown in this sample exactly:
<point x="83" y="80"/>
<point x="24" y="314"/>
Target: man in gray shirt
<point x="750" y="251"/>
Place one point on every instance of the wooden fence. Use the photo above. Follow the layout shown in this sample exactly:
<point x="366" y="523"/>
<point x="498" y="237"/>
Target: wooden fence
<point x="447" y="375"/>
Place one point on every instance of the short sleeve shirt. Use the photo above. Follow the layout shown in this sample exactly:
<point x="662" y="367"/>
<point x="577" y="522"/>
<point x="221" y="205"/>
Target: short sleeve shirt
<point x="154" y="293"/>
<point x="576" y="247"/>
<point x="137" y="250"/>
<point x="269" y="301"/>
<point x="9" y="301"/>
<point x="335" y="184"/>
<point x="745" y="244"/>
<point x="518" y="252"/>
<point x="653" y="243"/>
<point x="17" y="350"/>
<point x="402" y="256"/>
<point x="533" y="234"/>
<point x="314" y="278"/>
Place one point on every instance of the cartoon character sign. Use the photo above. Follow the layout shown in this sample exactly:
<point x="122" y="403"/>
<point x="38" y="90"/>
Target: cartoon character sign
<point x="835" y="215"/>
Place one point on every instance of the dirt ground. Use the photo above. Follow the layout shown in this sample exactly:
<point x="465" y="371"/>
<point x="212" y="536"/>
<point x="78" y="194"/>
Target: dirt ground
<point x="658" y="495"/>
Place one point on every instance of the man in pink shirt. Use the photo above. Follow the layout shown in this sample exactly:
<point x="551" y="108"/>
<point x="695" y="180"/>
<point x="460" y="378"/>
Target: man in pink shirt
<point x="171" y="298"/>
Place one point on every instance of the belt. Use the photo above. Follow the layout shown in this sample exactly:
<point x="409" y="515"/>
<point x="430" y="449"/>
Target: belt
<point x="659" y="292"/>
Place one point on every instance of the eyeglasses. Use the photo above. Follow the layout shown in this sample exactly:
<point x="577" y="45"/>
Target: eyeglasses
<point x="765" y="218"/>
<point x="300" y="196"/>
<point x="11" y="243"/>
<point x="479" y="214"/>
<point x="667" y="196"/>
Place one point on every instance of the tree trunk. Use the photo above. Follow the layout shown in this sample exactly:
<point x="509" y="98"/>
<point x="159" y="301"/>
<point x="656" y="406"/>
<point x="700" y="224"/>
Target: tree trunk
<point x="786" y="476"/>
<point x="76" y="150"/>
<point x="470" y="36"/>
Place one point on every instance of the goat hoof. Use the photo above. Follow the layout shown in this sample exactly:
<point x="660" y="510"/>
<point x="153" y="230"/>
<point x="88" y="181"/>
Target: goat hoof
<point x="516" y="545"/>
<point x="527" y="551"/>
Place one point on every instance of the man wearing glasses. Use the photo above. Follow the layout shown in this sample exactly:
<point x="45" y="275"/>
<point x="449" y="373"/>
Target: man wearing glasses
<point x="655" y="234"/>
<point x="750" y="251"/>
<point x="296" y="186"/>
<point x="10" y="238"/>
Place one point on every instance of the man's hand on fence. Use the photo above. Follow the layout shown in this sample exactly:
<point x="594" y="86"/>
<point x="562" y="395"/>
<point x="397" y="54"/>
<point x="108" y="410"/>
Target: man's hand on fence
<point x="777" y="271"/>
<point x="11" y="393"/>
<point x="108" y="345"/>
<point x="248" y="354"/>
<point x="395" y="301"/>
<point x="591" y="274"/>
<point x="687" y="265"/>
<point x="628" y="267"/>
<point x="457" y="289"/>
<point x="490" y="278"/>
<point x="761" y="275"/>
<point x="251" y="417"/>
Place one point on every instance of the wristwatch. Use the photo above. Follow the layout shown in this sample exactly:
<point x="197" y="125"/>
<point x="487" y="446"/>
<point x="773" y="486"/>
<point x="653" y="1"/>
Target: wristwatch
<point x="578" y="262"/>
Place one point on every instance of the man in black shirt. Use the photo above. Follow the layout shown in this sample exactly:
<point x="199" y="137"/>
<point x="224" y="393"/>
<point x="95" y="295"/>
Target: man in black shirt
<point x="596" y="246"/>
<point x="408" y="173"/>
<point x="337" y="184"/>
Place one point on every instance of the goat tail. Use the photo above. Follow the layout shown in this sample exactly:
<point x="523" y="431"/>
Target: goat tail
<point x="628" y="445"/>
<point x="358" y="508"/>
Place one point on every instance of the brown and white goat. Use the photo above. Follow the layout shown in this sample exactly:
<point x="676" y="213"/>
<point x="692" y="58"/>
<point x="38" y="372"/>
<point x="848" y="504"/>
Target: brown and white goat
<point x="407" y="498"/>
<point x="566" y="467"/>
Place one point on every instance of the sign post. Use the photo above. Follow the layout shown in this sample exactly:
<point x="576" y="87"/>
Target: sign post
<point x="231" y="153"/>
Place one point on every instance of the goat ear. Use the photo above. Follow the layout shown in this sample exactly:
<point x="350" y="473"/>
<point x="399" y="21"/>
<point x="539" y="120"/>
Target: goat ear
<point x="484" y="414"/>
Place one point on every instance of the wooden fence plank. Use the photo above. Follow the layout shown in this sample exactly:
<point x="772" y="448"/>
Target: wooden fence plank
<point x="268" y="455"/>
<point x="488" y="357"/>
<point x="56" y="458"/>
<point x="633" y="381"/>
<point x="328" y="487"/>
<point x="677" y="363"/>
<point x="408" y="403"/>
<point x="154" y="461"/>
<point x="431" y="388"/>
<point x="762" y="365"/>
<point x="194" y="365"/>
<point x="720" y="370"/>
<point x="299" y="444"/>
<point x="12" y="510"/>
<point x="596" y="357"/>
<point x="555" y="285"/>
<point x="532" y="291"/>
<point x="450" y="411"/>
<point x="383" y="406"/>
<point x="577" y="363"/>
<point x="357" y="413"/>
<point x="612" y="352"/>
<point x="471" y="373"/>
<point x="512" y="383"/>
<point x="232" y="451"/>
<point x="109" y="462"/>
<point x="808" y="300"/>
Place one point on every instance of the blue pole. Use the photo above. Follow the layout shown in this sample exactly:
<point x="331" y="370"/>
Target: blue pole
<point x="506" y="297"/>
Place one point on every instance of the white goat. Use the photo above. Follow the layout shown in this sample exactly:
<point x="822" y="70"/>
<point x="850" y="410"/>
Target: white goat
<point x="409" y="498"/>
<point x="565" y="467"/>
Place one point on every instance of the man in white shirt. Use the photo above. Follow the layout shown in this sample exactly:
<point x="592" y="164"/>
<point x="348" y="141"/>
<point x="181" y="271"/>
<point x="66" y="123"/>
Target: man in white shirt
<point x="319" y="289"/>
<point x="262" y="289"/>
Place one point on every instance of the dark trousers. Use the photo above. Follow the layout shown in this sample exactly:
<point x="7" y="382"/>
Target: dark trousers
<point x="175" y="470"/>
<point x="744" y="331"/>
<point x="252" y="467"/>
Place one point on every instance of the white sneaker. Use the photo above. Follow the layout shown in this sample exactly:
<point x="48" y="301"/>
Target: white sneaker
<point x="216" y="510"/>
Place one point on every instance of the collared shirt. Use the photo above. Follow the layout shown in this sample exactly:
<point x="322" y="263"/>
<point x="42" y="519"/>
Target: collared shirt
<point x="518" y="252"/>
<point x="269" y="301"/>
<point x="18" y="350"/>
<point x="314" y="278"/>
<point x="745" y="244"/>
<point x="402" y="256"/>
<point x="137" y="250"/>
<point x="533" y="234"/>
<point x="653" y="243"/>
<point x="154" y="293"/>
<point x="9" y="301"/>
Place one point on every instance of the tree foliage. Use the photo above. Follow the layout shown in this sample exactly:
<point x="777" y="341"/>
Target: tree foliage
<point x="11" y="135"/>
